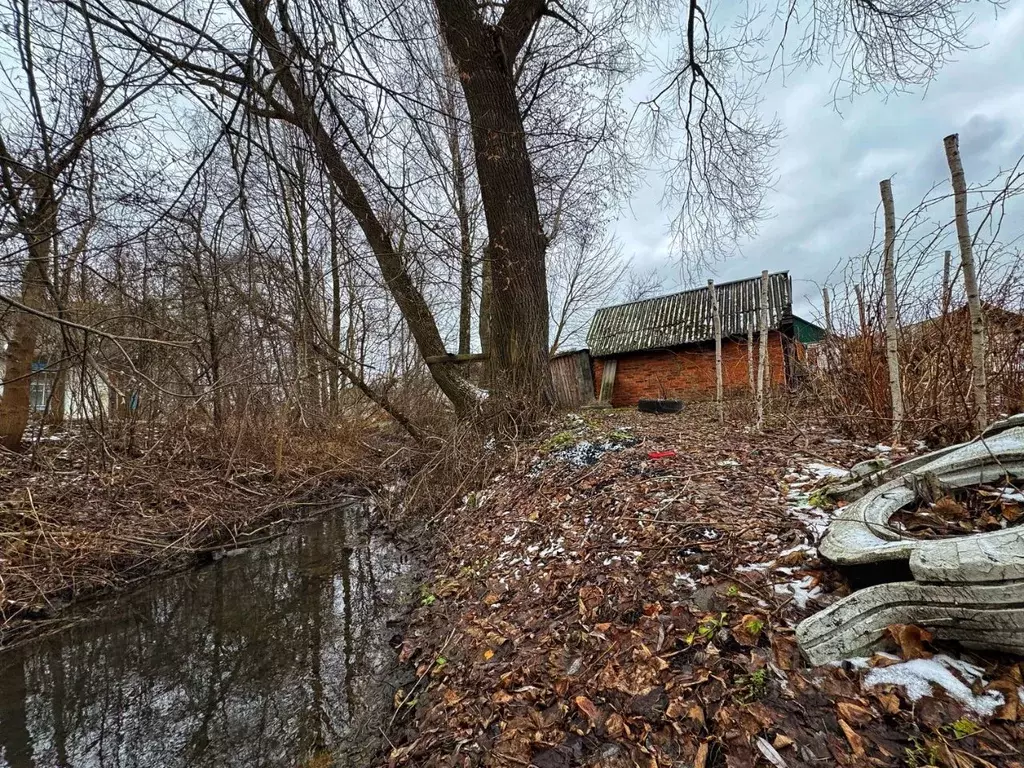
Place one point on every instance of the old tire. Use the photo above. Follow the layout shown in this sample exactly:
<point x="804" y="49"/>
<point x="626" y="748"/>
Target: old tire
<point x="659" y="406"/>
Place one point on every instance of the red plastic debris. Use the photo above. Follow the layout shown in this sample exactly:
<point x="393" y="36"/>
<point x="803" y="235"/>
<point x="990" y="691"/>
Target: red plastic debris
<point x="661" y="454"/>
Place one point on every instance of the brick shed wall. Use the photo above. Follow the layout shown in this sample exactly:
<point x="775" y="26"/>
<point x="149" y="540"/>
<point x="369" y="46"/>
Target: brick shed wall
<point x="689" y="373"/>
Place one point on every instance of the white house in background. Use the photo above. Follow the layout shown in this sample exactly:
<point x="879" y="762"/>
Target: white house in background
<point x="77" y="405"/>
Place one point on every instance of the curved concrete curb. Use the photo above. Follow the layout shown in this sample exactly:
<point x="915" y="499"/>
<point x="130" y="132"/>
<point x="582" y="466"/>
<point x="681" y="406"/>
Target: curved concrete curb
<point x="969" y="589"/>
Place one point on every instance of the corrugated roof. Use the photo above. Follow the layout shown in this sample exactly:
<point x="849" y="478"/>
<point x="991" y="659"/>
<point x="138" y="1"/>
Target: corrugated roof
<point x="685" y="318"/>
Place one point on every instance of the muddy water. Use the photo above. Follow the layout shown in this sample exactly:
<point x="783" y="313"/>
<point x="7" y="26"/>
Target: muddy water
<point x="277" y="656"/>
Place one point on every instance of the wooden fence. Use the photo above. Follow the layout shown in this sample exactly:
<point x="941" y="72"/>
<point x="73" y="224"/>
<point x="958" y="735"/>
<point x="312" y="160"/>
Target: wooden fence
<point x="572" y="378"/>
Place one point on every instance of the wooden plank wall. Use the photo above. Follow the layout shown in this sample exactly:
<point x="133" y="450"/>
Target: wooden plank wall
<point x="572" y="378"/>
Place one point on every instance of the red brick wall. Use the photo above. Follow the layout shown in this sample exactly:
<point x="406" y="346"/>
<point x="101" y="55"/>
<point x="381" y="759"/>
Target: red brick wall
<point x="688" y="374"/>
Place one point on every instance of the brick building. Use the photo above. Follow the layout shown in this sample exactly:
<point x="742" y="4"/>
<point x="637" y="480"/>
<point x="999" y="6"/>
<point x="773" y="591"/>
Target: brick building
<point x="664" y="347"/>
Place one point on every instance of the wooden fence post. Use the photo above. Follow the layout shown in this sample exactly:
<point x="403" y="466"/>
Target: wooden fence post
<point x="827" y="305"/>
<point x="716" y="317"/>
<point x="750" y="352"/>
<point x="861" y="310"/>
<point x="947" y="288"/>
<point x="762" y="359"/>
<point x="979" y="358"/>
<point x="891" y="343"/>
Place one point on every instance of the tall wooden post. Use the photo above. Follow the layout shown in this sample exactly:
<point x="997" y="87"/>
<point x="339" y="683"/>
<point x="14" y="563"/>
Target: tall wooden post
<point x="979" y="377"/>
<point x="861" y="310"/>
<point x="762" y="359"/>
<point x="751" y="321"/>
<point x="947" y="288"/>
<point x="891" y="343"/>
<point x="716" y="317"/>
<point x="827" y="305"/>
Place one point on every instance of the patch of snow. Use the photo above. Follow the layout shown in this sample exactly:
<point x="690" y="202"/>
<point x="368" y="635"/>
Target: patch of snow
<point x="685" y="580"/>
<point x="801" y="591"/>
<point x="729" y="463"/>
<point x="815" y="519"/>
<point x="919" y="676"/>
<point x="826" y="470"/>
<point x="753" y="567"/>
<point x="798" y="548"/>
<point x="1012" y="494"/>
<point x="882" y="448"/>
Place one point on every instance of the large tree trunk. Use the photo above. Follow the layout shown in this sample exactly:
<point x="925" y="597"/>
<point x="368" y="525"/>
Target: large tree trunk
<point x="963" y="233"/>
<point x="485" y="55"/>
<point x="892" y="354"/>
<point x="15" y="404"/>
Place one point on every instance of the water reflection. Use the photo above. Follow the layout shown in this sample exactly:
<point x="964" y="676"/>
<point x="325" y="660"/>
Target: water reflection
<point x="271" y="658"/>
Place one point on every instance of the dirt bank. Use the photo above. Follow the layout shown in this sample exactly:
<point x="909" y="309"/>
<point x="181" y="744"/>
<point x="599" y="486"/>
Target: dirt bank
<point x="597" y="606"/>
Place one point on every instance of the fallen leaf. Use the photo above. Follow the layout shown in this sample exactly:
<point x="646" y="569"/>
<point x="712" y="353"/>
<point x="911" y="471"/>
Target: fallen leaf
<point x="747" y="631"/>
<point x="615" y="726"/>
<point x="488" y="654"/>
<point x="782" y="741"/>
<point x="852" y="738"/>
<point x="911" y="639"/>
<point x="701" y="759"/>
<point x="855" y="713"/>
<point x="795" y="557"/>
<point x="588" y="708"/>
<point x="1010" y="709"/>
<point x="451" y="697"/>
<point x="890" y="702"/>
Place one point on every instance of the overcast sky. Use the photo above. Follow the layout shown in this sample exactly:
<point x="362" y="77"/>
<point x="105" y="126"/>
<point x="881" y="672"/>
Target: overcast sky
<point x="829" y="165"/>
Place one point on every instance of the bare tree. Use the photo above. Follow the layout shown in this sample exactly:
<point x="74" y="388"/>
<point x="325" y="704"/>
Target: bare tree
<point x="584" y="275"/>
<point x="705" y="122"/>
<point x="69" y="103"/>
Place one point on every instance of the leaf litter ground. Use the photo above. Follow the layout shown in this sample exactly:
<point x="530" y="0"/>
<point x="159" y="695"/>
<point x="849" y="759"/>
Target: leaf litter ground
<point x="594" y="606"/>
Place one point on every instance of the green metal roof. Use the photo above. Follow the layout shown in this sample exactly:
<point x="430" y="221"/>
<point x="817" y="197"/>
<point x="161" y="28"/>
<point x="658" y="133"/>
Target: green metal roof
<point x="685" y="317"/>
<point x="807" y="332"/>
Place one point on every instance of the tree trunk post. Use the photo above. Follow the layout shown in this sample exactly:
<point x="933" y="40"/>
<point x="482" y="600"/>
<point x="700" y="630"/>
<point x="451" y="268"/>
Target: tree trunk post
<point x="979" y="357"/>
<point x="827" y="306"/>
<point x="947" y="288"/>
<point x="751" y="321"/>
<point x="762" y="357"/>
<point x="891" y="342"/>
<point x="862" y="314"/>
<point x="716" y="317"/>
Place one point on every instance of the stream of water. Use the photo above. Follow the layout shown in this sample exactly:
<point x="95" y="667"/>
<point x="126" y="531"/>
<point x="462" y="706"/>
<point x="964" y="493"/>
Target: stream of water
<point x="277" y="656"/>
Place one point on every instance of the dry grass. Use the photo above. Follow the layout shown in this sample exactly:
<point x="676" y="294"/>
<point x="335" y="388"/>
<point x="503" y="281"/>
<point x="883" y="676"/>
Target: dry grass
<point x="81" y="515"/>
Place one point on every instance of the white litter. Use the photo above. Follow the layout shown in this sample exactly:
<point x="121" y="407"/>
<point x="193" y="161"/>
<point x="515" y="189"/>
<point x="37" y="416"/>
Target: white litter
<point x="919" y="676"/>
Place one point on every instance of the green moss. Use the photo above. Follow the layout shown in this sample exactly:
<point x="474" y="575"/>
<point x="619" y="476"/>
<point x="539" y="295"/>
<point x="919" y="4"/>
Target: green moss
<point x="557" y="441"/>
<point x="963" y="728"/>
<point x="753" y="686"/>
